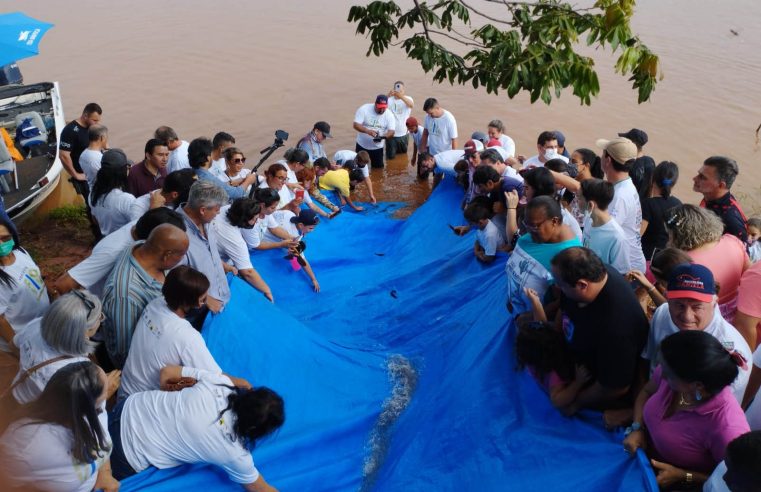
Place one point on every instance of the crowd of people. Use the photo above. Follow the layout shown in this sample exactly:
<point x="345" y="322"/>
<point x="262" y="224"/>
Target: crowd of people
<point x="625" y="300"/>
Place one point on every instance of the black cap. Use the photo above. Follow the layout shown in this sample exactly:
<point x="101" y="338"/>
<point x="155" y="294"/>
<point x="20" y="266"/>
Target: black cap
<point x="115" y="159"/>
<point x="307" y="217"/>
<point x="637" y="136"/>
<point x="324" y="127"/>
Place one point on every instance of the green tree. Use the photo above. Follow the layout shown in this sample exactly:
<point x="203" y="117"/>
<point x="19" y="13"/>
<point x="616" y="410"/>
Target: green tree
<point x="531" y="46"/>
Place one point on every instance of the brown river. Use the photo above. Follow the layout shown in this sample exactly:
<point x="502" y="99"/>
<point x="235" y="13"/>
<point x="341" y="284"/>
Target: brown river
<point x="249" y="68"/>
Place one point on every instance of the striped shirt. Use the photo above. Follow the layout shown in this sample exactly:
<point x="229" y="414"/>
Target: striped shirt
<point x="128" y="290"/>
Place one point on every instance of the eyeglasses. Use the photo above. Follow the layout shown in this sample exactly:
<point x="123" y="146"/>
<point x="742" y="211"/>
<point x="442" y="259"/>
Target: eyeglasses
<point x="87" y="302"/>
<point x="239" y="160"/>
<point x="534" y="227"/>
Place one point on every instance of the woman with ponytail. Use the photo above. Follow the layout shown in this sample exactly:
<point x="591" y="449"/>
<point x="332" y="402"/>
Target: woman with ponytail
<point x="60" y="442"/>
<point x="217" y="420"/>
<point x="653" y="228"/>
<point x="686" y="415"/>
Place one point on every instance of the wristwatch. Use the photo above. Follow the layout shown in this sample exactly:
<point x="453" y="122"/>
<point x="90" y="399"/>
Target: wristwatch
<point x="688" y="477"/>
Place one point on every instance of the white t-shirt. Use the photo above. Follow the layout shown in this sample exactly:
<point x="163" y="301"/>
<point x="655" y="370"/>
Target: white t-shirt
<point x="501" y="151"/>
<point x="571" y="222"/>
<point x="27" y="298"/>
<point x="178" y="158"/>
<point x="169" y="428"/>
<point x="230" y="243"/>
<point x="534" y="161"/>
<point x="92" y="272"/>
<point x="446" y="160"/>
<point x="161" y="339"/>
<point x="400" y="112"/>
<point x="490" y="239"/>
<point x="113" y="210"/>
<point x="609" y="243"/>
<point x="345" y="155"/>
<point x="661" y="326"/>
<point x="255" y="235"/>
<point x="417" y="136"/>
<point x="33" y="349"/>
<point x="626" y="209"/>
<point x="508" y="144"/>
<point x="716" y="481"/>
<point x="40" y="455"/>
<point x="441" y="131"/>
<point x="754" y="251"/>
<point x="381" y="123"/>
<point x="218" y="168"/>
<point x="245" y="172"/>
<point x="283" y="219"/>
<point x="754" y="410"/>
<point x="89" y="161"/>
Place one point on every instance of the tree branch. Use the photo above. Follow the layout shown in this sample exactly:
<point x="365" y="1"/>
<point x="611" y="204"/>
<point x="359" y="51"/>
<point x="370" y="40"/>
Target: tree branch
<point x="493" y="19"/>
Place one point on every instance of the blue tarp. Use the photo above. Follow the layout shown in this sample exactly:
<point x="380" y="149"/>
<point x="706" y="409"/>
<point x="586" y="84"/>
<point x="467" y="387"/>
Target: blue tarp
<point x="399" y="374"/>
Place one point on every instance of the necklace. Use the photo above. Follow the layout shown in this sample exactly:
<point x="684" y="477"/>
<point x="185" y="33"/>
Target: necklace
<point x="683" y="401"/>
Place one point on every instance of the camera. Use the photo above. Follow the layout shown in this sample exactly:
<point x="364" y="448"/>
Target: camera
<point x="280" y="137"/>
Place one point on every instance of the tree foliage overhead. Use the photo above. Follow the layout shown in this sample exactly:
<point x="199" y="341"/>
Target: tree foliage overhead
<point x="530" y="46"/>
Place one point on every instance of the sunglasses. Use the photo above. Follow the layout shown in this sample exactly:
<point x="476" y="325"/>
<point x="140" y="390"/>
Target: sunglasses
<point x="239" y="160"/>
<point x="89" y="305"/>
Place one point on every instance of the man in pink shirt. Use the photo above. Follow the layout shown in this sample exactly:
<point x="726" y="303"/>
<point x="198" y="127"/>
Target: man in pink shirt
<point x="748" y="316"/>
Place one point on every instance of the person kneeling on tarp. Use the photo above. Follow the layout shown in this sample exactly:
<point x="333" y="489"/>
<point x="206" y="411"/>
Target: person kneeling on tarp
<point x="211" y="421"/>
<point x="341" y="180"/>
<point x="488" y="238"/>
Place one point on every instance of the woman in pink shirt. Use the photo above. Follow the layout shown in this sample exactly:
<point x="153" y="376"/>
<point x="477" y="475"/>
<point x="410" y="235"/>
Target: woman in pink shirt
<point x="686" y="415"/>
<point x="700" y="233"/>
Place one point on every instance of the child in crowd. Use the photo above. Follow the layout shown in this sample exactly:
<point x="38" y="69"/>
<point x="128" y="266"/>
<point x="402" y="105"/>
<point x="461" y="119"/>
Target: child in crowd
<point x="663" y="263"/>
<point x="543" y="351"/>
<point x="603" y="235"/>
<point x="488" y="238"/>
<point x="754" y="234"/>
<point x="341" y="181"/>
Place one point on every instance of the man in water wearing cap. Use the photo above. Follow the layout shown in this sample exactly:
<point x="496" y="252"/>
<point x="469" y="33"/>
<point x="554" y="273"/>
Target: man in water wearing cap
<point x="692" y="305"/>
<point x="618" y="155"/>
<point x="374" y="125"/>
<point x="642" y="170"/>
<point x="311" y="143"/>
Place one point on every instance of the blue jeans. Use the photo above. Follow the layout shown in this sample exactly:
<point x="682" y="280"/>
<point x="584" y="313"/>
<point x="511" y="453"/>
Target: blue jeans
<point x="120" y="467"/>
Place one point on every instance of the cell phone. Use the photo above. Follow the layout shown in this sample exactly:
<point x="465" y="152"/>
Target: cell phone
<point x="300" y="194"/>
<point x="397" y="87"/>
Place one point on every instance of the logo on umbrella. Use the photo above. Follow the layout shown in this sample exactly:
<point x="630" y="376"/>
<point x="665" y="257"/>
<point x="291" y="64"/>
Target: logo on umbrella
<point x="25" y="36"/>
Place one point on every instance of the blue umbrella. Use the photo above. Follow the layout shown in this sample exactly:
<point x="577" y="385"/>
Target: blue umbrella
<point x="20" y="36"/>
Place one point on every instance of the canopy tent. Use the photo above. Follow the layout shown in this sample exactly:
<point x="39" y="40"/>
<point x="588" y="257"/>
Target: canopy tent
<point x="399" y="375"/>
<point x="20" y="36"/>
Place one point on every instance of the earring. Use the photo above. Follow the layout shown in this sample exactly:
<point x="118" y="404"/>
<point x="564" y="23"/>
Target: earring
<point x="698" y="395"/>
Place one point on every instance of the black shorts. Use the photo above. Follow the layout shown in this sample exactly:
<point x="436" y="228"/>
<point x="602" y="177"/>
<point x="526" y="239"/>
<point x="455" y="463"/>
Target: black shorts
<point x="376" y="156"/>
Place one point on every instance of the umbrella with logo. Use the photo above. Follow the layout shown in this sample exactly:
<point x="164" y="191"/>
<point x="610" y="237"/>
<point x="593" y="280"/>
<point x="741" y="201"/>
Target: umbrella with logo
<point x="20" y="36"/>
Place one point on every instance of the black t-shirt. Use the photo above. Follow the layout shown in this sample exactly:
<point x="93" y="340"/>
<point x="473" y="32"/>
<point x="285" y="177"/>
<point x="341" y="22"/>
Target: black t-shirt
<point x="641" y="173"/>
<point x="608" y="334"/>
<point x="74" y="139"/>
<point x="654" y="212"/>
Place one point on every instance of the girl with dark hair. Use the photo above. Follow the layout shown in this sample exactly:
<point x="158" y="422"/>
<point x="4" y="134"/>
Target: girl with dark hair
<point x="543" y="351"/>
<point x="686" y="415"/>
<point x="23" y="297"/>
<point x="654" y="208"/>
<point x="235" y="172"/>
<point x="164" y="337"/>
<point x="663" y="263"/>
<point x="110" y="203"/>
<point x="241" y="215"/>
<point x="269" y="199"/>
<point x="60" y="442"/>
<point x="211" y="422"/>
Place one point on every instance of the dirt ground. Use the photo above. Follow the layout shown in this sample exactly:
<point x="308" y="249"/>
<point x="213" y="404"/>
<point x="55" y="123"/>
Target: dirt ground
<point x="58" y="242"/>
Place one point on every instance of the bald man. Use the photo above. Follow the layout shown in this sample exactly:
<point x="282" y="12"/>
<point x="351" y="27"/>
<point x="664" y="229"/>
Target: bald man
<point x="136" y="280"/>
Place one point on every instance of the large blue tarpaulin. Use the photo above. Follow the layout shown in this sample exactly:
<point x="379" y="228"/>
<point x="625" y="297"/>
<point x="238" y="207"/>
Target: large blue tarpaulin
<point x="399" y="375"/>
